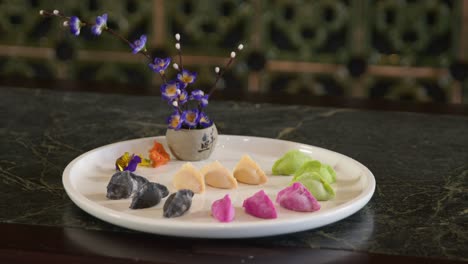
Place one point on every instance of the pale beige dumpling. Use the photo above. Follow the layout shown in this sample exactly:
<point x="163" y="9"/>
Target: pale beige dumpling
<point x="248" y="171"/>
<point x="218" y="176"/>
<point x="189" y="177"/>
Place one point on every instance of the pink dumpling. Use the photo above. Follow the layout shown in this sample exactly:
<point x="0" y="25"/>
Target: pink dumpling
<point x="223" y="210"/>
<point x="260" y="205"/>
<point x="297" y="198"/>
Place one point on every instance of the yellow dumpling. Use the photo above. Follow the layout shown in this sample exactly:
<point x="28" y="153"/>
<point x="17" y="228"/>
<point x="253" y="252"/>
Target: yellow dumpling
<point x="248" y="171"/>
<point x="218" y="176"/>
<point x="189" y="177"/>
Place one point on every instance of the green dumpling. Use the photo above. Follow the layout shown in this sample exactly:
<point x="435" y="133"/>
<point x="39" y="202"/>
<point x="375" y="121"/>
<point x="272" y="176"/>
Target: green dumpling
<point x="316" y="185"/>
<point x="290" y="162"/>
<point x="330" y="171"/>
<point x="325" y="171"/>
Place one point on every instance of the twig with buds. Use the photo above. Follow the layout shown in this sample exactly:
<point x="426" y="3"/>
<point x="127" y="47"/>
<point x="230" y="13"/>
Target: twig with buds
<point x="220" y="73"/>
<point x="179" y="52"/>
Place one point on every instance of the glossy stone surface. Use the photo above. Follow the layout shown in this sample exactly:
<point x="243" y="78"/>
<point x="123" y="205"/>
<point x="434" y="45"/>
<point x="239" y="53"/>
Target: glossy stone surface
<point x="419" y="162"/>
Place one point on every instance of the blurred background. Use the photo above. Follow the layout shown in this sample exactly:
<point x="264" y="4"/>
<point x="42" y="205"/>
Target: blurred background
<point x="414" y="50"/>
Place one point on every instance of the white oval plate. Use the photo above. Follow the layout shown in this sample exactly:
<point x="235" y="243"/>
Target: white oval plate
<point x="85" y="180"/>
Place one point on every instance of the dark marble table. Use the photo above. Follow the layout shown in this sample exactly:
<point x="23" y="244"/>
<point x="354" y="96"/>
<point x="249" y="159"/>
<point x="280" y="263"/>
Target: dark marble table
<point x="419" y="212"/>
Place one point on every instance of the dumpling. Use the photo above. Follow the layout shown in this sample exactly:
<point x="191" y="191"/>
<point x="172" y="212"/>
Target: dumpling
<point x="124" y="184"/>
<point x="290" y="162"/>
<point x="297" y="198"/>
<point x="189" y="177"/>
<point x="177" y="203"/>
<point x="147" y="196"/>
<point x="325" y="171"/>
<point x="218" y="176"/>
<point x="316" y="185"/>
<point x="248" y="171"/>
<point x="162" y="188"/>
<point x="260" y="205"/>
<point x="223" y="210"/>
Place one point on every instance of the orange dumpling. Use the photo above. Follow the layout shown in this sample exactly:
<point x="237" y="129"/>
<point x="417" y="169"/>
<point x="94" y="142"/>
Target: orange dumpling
<point x="218" y="176"/>
<point x="248" y="171"/>
<point x="189" y="177"/>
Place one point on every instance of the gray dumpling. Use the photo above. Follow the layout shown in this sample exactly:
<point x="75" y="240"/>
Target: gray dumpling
<point x="148" y="195"/>
<point x="123" y="184"/>
<point x="139" y="181"/>
<point x="163" y="189"/>
<point x="178" y="203"/>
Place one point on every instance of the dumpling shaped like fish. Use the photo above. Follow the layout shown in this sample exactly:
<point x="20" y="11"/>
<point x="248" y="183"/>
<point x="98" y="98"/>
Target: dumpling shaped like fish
<point x="260" y="205"/>
<point x="297" y="198"/>
<point x="148" y="195"/>
<point x="316" y="185"/>
<point x="123" y="184"/>
<point x="218" y="176"/>
<point x="325" y="171"/>
<point x="178" y="203"/>
<point x="189" y="177"/>
<point x="290" y="162"/>
<point x="223" y="210"/>
<point x="248" y="171"/>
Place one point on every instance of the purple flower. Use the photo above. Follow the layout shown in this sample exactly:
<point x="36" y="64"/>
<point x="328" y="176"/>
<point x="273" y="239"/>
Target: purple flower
<point x="138" y="44"/>
<point x="132" y="165"/>
<point x="191" y="118"/>
<point x="204" y="101"/>
<point x="175" y="121"/>
<point x="197" y="95"/>
<point x="160" y="65"/>
<point x="127" y="162"/>
<point x="170" y="90"/>
<point x="187" y="77"/>
<point x="183" y="97"/>
<point x="101" y="23"/>
<point x="75" y="25"/>
<point x="204" y="120"/>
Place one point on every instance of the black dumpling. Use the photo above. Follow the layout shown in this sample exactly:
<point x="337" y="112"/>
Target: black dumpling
<point x="123" y="184"/>
<point x="147" y="196"/>
<point x="178" y="203"/>
<point x="163" y="189"/>
<point x="140" y="181"/>
<point x="120" y="186"/>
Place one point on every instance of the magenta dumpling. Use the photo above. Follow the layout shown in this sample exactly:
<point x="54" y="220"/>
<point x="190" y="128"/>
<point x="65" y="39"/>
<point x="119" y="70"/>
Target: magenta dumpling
<point x="260" y="205"/>
<point x="297" y="198"/>
<point x="223" y="210"/>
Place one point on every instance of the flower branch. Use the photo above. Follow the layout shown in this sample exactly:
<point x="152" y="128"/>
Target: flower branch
<point x="175" y="92"/>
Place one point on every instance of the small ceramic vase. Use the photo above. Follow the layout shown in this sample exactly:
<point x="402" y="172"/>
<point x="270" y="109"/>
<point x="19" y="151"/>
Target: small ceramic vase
<point x="192" y="144"/>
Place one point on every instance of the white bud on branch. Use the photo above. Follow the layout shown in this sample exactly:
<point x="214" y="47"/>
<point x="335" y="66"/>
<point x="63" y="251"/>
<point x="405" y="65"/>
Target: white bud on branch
<point x="240" y="47"/>
<point x="217" y="69"/>
<point x="175" y="66"/>
<point x="175" y="104"/>
<point x="65" y="23"/>
<point x="41" y="12"/>
<point x="177" y="36"/>
<point x="233" y="54"/>
<point x="177" y="46"/>
<point x="56" y="12"/>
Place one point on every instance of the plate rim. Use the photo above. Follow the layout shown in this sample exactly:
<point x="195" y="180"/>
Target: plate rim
<point x="205" y="229"/>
